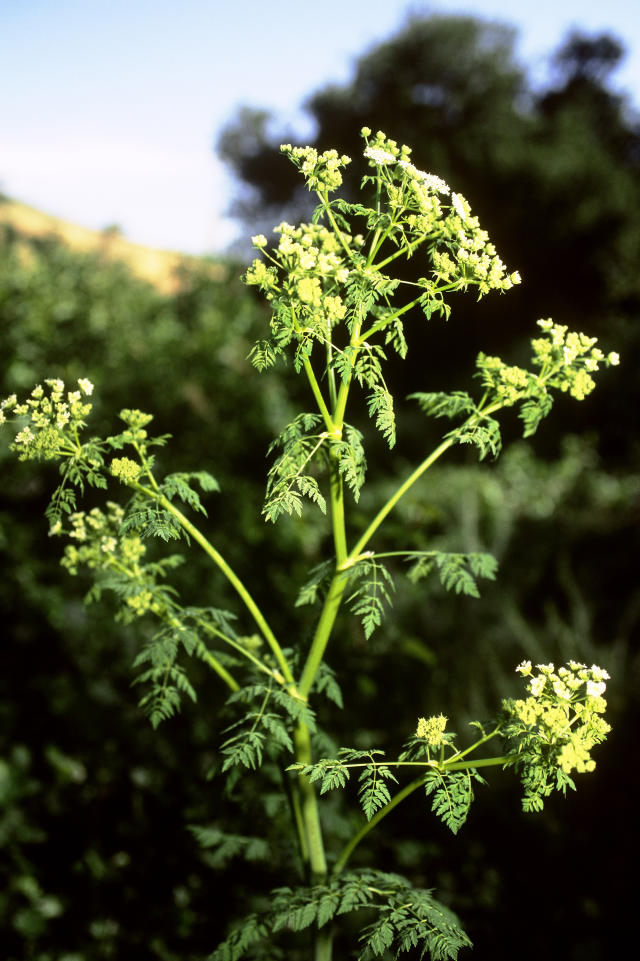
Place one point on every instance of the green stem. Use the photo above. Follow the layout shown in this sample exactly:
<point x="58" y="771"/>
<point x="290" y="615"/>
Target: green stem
<point x="228" y="572"/>
<point x="400" y="492"/>
<point x="482" y="740"/>
<point x="384" y="321"/>
<point x="482" y="762"/>
<point x="310" y="830"/>
<point x="417" y="473"/>
<point x="221" y="671"/>
<point x="317" y="393"/>
<point x="165" y="613"/>
<point x="309" y="809"/>
<point x="323" y="946"/>
<point x="324" y="197"/>
<point x="337" y="511"/>
<point x="215" y="632"/>
<point x="323" y="632"/>
<point x="377" y="817"/>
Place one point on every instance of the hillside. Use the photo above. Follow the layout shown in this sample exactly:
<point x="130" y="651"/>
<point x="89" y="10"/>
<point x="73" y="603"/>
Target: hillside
<point x="159" y="267"/>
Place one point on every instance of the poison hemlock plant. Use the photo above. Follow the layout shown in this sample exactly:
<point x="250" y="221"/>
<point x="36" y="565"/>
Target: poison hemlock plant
<point x="337" y="311"/>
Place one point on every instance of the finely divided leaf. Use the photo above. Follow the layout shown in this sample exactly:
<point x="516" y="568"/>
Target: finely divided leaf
<point x="458" y="572"/>
<point x="373" y="792"/>
<point x="452" y="794"/>
<point x="374" y="584"/>
<point x="380" y="403"/>
<point x="440" y="404"/>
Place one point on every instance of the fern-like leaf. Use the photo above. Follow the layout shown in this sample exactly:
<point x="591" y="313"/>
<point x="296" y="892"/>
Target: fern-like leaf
<point x="179" y="485"/>
<point x="352" y="462"/>
<point x="440" y="404"/>
<point x="452" y="794"/>
<point x="457" y="572"/>
<point x="316" y="584"/>
<point x="373" y="591"/>
<point x="289" y="480"/>
<point x="373" y="792"/>
<point x="380" y="403"/>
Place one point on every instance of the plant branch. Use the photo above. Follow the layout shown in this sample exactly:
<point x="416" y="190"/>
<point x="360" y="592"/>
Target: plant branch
<point x="228" y="572"/>
<point x="377" y="817"/>
<point x="400" y="492"/>
<point x="323" y="632"/>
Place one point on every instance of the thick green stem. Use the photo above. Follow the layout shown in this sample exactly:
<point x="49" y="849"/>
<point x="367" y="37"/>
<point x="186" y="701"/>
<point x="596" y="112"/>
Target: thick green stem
<point x="309" y="809"/>
<point x="337" y="512"/>
<point x="323" y="632"/>
<point x="323" y="947"/>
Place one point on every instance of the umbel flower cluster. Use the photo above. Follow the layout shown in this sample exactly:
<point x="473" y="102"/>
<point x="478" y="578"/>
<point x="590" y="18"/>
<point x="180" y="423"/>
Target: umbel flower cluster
<point x="55" y="418"/>
<point x="555" y="727"/>
<point x="413" y="208"/>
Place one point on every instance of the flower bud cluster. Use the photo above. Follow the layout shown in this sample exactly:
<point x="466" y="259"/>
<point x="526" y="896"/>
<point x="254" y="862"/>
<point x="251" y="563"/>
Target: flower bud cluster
<point x="100" y="545"/>
<point x="566" y="360"/>
<point x="125" y="469"/>
<point x="53" y="416"/>
<point x="102" y="548"/>
<point x="321" y="171"/>
<point x="572" y="355"/>
<point x="308" y="269"/>
<point x="432" y="729"/>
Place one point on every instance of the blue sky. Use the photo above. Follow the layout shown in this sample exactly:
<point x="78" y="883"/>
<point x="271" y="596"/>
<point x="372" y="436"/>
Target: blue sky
<point x="110" y="108"/>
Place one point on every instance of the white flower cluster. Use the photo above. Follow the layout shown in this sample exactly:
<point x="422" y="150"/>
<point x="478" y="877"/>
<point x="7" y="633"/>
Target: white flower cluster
<point x="563" y="711"/>
<point x="99" y="545"/>
<point x="54" y="418"/>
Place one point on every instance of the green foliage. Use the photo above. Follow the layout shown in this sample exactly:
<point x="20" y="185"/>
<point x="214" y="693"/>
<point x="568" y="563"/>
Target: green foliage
<point x="287" y="483"/>
<point x="457" y="572"/>
<point x="261" y="728"/>
<point x="452" y="794"/>
<point x="372" y="585"/>
<point x="406" y="918"/>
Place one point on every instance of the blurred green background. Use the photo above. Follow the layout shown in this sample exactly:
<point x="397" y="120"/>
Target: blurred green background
<point x="97" y="861"/>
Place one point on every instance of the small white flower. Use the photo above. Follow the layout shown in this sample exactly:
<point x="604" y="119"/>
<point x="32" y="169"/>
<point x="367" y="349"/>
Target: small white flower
<point x="561" y="689"/>
<point x="596" y="688"/>
<point x="379" y="156"/>
<point x="524" y="668"/>
<point x="536" y="685"/>
<point x="460" y="206"/>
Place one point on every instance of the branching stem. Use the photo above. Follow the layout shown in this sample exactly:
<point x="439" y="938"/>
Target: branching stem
<point x="228" y="572"/>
